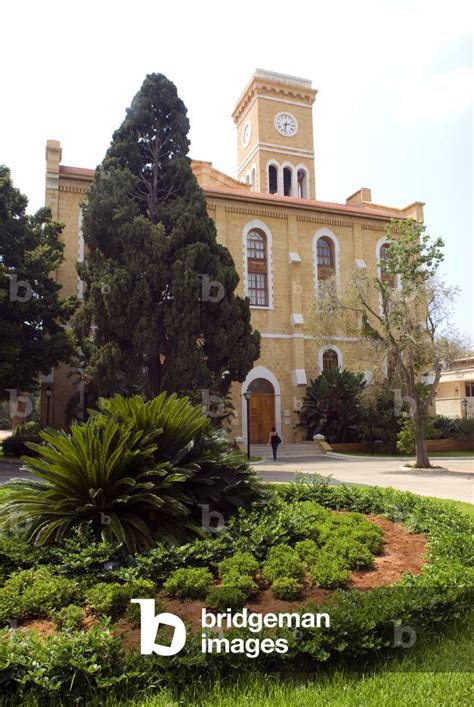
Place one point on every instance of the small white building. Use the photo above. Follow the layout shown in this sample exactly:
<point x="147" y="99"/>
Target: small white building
<point x="455" y="392"/>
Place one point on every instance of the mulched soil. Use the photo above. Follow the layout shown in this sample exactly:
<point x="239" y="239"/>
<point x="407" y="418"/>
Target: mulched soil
<point x="403" y="552"/>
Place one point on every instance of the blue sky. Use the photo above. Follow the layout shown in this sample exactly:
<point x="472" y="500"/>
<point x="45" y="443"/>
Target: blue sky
<point x="393" y="112"/>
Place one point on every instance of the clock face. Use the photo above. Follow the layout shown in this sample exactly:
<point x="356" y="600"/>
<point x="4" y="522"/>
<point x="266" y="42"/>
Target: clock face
<point x="286" y="124"/>
<point x="247" y="131"/>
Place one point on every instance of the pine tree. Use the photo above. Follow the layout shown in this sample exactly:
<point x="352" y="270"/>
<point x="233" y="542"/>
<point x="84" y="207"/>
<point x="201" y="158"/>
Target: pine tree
<point x="32" y="336"/>
<point x="160" y="290"/>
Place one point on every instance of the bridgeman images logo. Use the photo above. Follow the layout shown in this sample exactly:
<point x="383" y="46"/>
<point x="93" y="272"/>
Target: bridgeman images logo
<point x="150" y="625"/>
<point x="255" y="622"/>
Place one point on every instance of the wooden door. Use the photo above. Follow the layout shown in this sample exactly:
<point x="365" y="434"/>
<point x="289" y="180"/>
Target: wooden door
<point x="262" y="417"/>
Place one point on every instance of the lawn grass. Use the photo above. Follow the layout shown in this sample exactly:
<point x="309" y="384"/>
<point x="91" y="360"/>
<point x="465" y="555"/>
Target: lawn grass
<point x="435" y="673"/>
<point x="458" y="505"/>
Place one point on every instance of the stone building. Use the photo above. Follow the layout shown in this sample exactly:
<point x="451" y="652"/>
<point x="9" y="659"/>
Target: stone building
<point x="455" y="391"/>
<point x="284" y="241"/>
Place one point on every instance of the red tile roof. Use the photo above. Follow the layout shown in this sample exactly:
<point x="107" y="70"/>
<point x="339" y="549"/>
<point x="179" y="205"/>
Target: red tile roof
<point x="76" y="171"/>
<point x="366" y="211"/>
<point x="312" y="204"/>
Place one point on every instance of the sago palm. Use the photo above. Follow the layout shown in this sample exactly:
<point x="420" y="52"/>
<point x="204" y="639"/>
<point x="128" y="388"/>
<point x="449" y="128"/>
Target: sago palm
<point x="101" y="474"/>
<point x="183" y="436"/>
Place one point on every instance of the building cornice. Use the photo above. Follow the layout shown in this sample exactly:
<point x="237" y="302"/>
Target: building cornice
<point x="312" y="207"/>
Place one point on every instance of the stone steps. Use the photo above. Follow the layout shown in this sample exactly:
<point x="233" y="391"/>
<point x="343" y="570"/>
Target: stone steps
<point x="297" y="450"/>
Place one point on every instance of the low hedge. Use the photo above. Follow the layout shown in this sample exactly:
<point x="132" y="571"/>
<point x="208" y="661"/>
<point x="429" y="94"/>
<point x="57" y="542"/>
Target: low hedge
<point x="362" y="623"/>
<point x="17" y="447"/>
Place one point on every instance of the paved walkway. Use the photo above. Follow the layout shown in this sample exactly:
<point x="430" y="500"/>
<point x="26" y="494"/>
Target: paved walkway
<point x="457" y="483"/>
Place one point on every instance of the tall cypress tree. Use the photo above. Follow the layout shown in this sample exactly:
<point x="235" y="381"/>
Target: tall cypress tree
<point x="160" y="290"/>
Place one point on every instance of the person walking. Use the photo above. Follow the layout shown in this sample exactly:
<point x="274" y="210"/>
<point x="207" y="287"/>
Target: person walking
<point x="274" y="440"/>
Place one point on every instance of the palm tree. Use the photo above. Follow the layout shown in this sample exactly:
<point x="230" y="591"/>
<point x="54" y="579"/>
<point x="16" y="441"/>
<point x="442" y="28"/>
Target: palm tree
<point x="332" y="405"/>
<point x="134" y="472"/>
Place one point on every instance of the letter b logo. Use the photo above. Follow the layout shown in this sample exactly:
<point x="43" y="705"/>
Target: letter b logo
<point x="149" y="624"/>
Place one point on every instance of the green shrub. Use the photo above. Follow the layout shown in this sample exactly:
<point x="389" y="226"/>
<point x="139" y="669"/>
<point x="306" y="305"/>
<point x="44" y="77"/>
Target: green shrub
<point x="78" y="554"/>
<point x="406" y="437"/>
<point x="351" y="554"/>
<point x="352" y="526"/>
<point x="64" y="668"/>
<point x="69" y="618"/>
<point x="133" y="612"/>
<point x="17" y="554"/>
<point x="287" y="588"/>
<point x="307" y="550"/>
<point x="189" y="583"/>
<point x="106" y="599"/>
<point x="5" y="423"/>
<point x="466" y="431"/>
<point x="240" y="563"/>
<point x="329" y="572"/>
<point x="447" y="427"/>
<point x="240" y="581"/>
<point x="112" y="599"/>
<point x="27" y="429"/>
<point x="283" y="561"/>
<point x="35" y="592"/>
<point x="222" y="598"/>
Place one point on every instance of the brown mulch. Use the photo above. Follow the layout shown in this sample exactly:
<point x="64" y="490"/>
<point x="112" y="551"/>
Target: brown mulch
<point x="403" y="552"/>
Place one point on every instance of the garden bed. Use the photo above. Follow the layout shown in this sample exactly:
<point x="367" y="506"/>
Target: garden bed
<point x="402" y="552"/>
<point x="420" y="577"/>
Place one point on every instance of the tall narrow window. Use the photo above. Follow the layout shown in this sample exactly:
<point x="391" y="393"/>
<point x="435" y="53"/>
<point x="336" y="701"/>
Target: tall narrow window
<point x="257" y="268"/>
<point x="272" y="179"/>
<point x="302" y="184"/>
<point x="253" y="180"/>
<point x="330" y="361"/>
<point x="325" y="258"/>
<point x="287" y="176"/>
<point x="386" y="277"/>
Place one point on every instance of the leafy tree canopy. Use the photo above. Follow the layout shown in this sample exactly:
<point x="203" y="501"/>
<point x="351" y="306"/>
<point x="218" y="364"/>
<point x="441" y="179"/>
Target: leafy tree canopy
<point x="32" y="317"/>
<point x="401" y="313"/>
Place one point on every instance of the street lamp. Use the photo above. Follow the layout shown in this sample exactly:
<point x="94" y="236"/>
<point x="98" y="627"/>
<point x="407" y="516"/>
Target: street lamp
<point x="247" y="396"/>
<point x="465" y="403"/>
<point x="48" y="392"/>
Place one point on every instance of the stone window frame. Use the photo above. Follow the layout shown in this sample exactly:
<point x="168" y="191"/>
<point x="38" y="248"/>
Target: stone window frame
<point x="337" y="351"/>
<point x="325" y="233"/>
<point x="257" y="225"/>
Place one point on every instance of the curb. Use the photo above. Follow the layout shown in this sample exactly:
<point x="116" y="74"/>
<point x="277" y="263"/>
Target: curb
<point x="405" y="467"/>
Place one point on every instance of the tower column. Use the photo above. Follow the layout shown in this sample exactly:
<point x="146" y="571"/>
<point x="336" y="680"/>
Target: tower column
<point x="280" y="180"/>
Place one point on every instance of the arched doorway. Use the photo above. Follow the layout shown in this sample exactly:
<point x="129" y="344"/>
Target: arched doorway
<point x="262" y="410"/>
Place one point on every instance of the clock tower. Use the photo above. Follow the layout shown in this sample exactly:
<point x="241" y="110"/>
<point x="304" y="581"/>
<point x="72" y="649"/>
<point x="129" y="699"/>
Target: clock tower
<point x="274" y="120"/>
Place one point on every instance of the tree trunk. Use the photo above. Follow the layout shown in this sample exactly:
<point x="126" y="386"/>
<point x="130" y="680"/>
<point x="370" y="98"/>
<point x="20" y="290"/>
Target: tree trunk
<point x="154" y="376"/>
<point x="422" y="460"/>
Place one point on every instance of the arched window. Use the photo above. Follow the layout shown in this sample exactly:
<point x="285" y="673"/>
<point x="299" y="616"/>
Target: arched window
<point x="325" y="258"/>
<point x="287" y="178"/>
<point x="302" y="184"/>
<point x="272" y="179"/>
<point x="257" y="268"/>
<point x="253" y="180"/>
<point x="330" y="360"/>
<point x="384" y="254"/>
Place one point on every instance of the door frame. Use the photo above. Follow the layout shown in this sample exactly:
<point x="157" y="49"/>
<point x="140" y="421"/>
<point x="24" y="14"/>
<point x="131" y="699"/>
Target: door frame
<point x="260" y="372"/>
